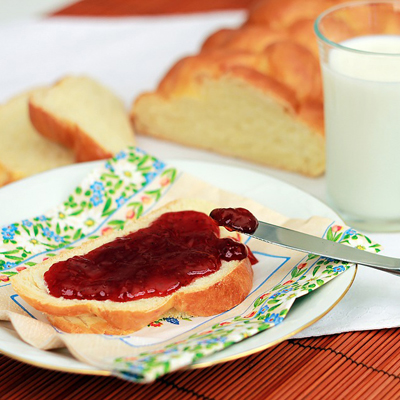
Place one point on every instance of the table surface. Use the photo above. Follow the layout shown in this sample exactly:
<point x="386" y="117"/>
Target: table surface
<point x="354" y="365"/>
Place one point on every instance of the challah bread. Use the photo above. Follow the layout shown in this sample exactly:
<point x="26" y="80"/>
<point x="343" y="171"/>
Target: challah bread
<point x="206" y="295"/>
<point x="254" y="92"/>
<point x="23" y="151"/>
<point x="81" y="114"/>
<point x="225" y="102"/>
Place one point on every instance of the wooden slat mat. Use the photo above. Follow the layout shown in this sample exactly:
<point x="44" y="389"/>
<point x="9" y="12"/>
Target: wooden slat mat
<point x="358" y="365"/>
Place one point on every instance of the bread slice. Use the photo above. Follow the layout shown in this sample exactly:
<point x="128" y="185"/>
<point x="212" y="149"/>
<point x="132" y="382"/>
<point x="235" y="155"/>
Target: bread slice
<point x="23" y="151"/>
<point x="205" y="296"/>
<point x="83" y="115"/>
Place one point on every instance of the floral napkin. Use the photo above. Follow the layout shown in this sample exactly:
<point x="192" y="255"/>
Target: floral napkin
<point x="126" y="187"/>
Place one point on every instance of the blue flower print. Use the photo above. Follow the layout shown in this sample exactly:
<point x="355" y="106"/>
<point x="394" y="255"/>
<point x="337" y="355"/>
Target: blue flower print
<point x="350" y="232"/>
<point x="96" y="199"/>
<point x="27" y="223"/>
<point x="8" y="232"/>
<point x="109" y="167"/>
<point x="150" y="176"/>
<point x="42" y="218"/>
<point x="274" y="319"/>
<point x="263" y="310"/>
<point x="48" y="233"/>
<point x="339" y="268"/>
<point x="158" y="165"/>
<point x="8" y="235"/>
<point x="97" y="186"/>
<point x="120" y="201"/>
<point x="58" y="238"/>
<point x="172" y="320"/>
<point x="213" y="340"/>
<point x="9" y="264"/>
<point x="275" y="295"/>
<point x="11" y="228"/>
<point x="120" y="155"/>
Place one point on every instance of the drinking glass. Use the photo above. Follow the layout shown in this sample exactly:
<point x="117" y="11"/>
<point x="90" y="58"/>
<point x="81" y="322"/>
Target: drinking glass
<point x="359" y="46"/>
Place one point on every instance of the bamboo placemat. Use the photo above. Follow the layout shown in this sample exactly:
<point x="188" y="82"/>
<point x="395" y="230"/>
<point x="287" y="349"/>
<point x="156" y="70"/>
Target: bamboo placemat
<point x="115" y="8"/>
<point x="357" y="365"/>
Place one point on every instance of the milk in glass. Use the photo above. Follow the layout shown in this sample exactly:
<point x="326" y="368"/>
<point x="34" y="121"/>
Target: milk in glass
<point x="362" y="121"/>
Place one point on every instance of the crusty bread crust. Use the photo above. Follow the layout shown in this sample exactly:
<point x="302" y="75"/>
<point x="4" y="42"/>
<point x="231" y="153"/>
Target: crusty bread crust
<point x="205" y="296"/>
<point x="66" y="133"/>
<point x="82" y="115"/>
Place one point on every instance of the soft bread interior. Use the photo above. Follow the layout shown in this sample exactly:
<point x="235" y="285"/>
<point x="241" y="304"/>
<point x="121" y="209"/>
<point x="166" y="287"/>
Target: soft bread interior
<point x="234" y="118"/>
<point x="23" y="151"/>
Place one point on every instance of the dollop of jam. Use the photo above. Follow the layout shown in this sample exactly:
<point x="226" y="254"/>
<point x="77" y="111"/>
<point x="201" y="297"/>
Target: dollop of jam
<point x="235" y="219"/>
<point x="173" y="251"/>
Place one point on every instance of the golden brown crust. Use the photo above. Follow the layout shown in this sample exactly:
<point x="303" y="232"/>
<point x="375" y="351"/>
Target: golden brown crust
<point x="301" y="73"/>
<point x="221" y="296"/>
<point x="250" y="38"/>
<point x="188" y="73"/>
<point x="67" y="134"/>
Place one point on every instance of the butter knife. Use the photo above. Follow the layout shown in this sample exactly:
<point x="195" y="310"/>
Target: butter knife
<point x="294" y="240"/>
<point x="242" y="220"/>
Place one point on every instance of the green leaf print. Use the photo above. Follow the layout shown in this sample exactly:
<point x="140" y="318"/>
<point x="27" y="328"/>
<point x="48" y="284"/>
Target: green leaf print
<point x="107" y="206"/>
<point x="78" y="212"/>
<point x="77" y="234"/>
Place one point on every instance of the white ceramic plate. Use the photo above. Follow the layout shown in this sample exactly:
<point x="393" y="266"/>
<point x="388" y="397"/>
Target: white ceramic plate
<point x="36" y="195"/>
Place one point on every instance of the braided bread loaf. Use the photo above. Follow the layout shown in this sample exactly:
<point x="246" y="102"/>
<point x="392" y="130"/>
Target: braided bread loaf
<point x="254" y="92"/>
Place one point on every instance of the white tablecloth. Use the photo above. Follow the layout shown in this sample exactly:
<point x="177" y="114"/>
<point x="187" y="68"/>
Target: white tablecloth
<point x="130" y="55"/>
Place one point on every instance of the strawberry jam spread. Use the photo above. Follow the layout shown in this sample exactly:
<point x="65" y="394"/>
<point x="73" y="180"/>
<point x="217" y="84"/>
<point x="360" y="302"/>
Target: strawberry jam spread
<point x="235" y="219"/>
<point x="172" y="252"/>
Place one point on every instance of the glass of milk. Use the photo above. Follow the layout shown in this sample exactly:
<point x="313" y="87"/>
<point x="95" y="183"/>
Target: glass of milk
<point x="359" y="45"/>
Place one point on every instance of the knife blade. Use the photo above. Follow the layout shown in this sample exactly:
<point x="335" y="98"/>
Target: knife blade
<point x="311" y="244"/>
